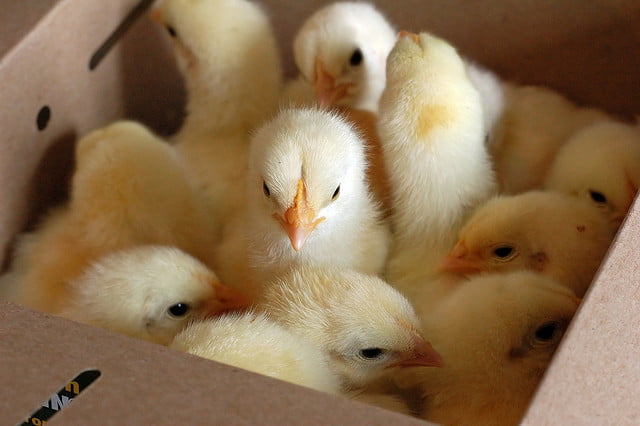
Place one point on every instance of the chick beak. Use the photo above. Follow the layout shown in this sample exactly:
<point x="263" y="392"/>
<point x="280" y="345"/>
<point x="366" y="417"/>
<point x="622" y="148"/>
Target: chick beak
<point x="413" y="36"/>
<point x="328" y="92"/>
<point x="156" y="15"/>
<point x="224" y="300"/>
<point x="300" y="219"/>
<point x="460" y="261"/>
<point x="422" y="355"/>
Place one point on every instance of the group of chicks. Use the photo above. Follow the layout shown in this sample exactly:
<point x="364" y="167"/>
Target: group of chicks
<point x="397" y="225"/>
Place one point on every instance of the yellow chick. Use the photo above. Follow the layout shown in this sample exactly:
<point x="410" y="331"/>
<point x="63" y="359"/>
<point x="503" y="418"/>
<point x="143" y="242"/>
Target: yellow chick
<point x="432" y="134"/>
<point x="555" y="234"/>
<point x="306" y="201"/>
<point x="601" y="163"/>
<point x="536" y="121"/>
<point x="364" y="326"/>
<point x="228" y="56"/>
<point x="129" y="188"/>
<point x="148" y="292"/>
<point x="498" y="333"/>
<point x="341" y="52"/>
<point x="254" y="342"/>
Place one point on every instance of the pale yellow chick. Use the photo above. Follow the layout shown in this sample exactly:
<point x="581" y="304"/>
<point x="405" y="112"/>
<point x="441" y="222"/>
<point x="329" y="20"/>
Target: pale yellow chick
<point x="129" y="188"/>
<point x="340" y="51"/>
<point x="432" y="133"/>
<point x="535" y="122"/>
<point x="498" y="333"/>
<point x="148" y="292"/>
<point x="307" y="201"/>
<point x="254" y="342"/>
<point x="602" y="164"/>
<point x="228" y="56"/>
<point x="555" y="234"/>
<point x="364" y="326"/>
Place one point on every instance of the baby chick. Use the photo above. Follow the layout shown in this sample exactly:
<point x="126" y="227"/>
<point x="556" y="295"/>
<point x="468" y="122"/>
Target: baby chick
<point x="432" y="134"/>
<point x="228" y="56"/>
<point x="601" y="163"/>
<point x="148" y="292"/>
<point x="307" y="200"/>
<point x="129" y="188"/>
<point x="254" y="342"/>
<point x="535" y="123"/>
<point x="363" y="325"/>
<point x="555" y="234"/>
<point x="341" y="52"/>
<point x="498" y="333"/>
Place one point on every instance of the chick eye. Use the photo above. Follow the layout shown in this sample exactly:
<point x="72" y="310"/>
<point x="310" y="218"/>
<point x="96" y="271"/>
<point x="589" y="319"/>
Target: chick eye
<point x="503" y="252"/>
<point x="336" y="193"/>
<point x="598" y="197"/>
<point x="265" y="189"/>
<point x="171" y="31"/>
<point x="356" y="57"/>
<point x="371" y="353"/>
<point x="179" y="309"/>
<point x="547" y="331"/>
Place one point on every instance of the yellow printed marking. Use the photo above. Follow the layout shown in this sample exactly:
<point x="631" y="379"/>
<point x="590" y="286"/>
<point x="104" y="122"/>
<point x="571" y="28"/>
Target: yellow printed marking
<point x="76" y="387"/>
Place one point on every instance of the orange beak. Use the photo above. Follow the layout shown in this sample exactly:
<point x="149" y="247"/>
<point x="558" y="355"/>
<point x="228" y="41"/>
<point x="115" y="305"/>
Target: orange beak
<point x="422" y="355"/>
<point x="327" y="92"/>
<point x="300" y="219"/>
<point x="460" y="261"/>
<point x="414" y="36"/>
<point x="156" y="15"/>
<point x="224" y="300"/>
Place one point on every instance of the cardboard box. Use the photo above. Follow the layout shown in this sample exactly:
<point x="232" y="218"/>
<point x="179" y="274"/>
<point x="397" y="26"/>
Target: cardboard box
<point x="58" y="81"/>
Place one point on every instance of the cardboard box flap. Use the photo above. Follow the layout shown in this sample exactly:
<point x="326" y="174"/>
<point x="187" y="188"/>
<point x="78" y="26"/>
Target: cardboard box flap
<point x="144" y="383"/>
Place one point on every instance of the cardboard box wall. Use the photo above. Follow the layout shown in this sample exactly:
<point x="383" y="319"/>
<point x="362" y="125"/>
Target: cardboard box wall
<point x="589" y="50"/>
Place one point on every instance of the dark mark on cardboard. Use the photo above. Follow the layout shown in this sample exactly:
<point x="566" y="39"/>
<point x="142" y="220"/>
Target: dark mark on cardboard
<point x="62" y="398"/>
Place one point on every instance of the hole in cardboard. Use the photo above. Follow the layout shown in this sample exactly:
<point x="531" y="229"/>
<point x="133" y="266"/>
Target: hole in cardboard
<point x="117" y="34"/>
<point x="62" y="398"/>
<point x="43" y="117"/>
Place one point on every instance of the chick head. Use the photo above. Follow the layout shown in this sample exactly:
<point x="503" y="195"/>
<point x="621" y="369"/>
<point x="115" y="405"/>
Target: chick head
<point x="341" y="50"/>
<point x="365" y="327"/>
<point x="151" y="292"/>
<point x="306" y="169"/>
<point x="551" y="233"/>
<point x="600" y="163"/>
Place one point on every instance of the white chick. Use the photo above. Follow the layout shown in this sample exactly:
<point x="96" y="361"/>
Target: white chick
<point x="148" y="292"/>
<point x="555" y="234"/>
<point x="492" y="95"/>
<point x="498" y="334"/>
<point x="228" y="56"/>
<point x="432" y="133"/>
<point x="601" y="163"/>
<point x="341" y="52"/>
<point x="535" y="123"/>
<point x="364" y="326"/>
<point x="253" y="342"/>
<point x="129" y="188"/>
<point x="307" y="200"/>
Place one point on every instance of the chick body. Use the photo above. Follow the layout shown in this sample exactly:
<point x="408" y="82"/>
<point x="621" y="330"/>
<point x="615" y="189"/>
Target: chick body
<point x="432" y="133"/>
<point x="254" y="342"/>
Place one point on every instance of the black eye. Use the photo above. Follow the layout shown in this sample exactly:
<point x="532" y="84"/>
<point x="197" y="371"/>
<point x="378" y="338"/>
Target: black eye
<point x="171" y="31"/>
<point x="547" y="332"/>
<point x="335" y="193"/>
<point x="598" y="197"/>
<point x="179" y="309"/>
<point x="265" y="189"/>
<point x="503" y="251"/>
<point x="371" y="353"/>
<point x="356" y="58"/>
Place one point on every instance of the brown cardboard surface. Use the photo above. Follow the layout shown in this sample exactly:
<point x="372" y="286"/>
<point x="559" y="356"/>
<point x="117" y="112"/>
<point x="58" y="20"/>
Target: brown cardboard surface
<point x="144" y="383"/>
<point x="595" y="376"/>
<point x="589" y="50"/>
